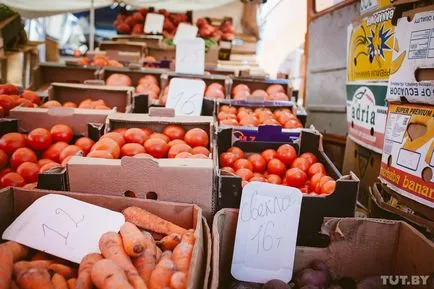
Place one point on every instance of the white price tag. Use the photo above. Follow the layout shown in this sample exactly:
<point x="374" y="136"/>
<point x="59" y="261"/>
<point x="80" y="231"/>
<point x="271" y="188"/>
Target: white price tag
<point x="63" y="226"/>
<point x="190" y="56"/>
<point x="185" y="31"/>
<point x="154" y="23"/>
<point x="266" y="233"/>
<point x="367" y="5"/>
<point x="186" y="96"/>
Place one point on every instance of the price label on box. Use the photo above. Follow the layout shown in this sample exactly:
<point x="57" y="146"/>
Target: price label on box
<point x="63" y="226"/>
<point x="266" y="233"/>
<point x="190" y="56"/>
<point x="154" y="23"/>
<point x="185" y="31"/>
<point x="186" y="96"/>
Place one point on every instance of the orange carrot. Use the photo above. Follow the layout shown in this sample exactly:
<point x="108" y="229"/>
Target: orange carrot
<point x="66" y="271"/>
<point x="6" y="266"/>
<point x="182" y="256"/>
<point x="188" y="237"/>
<point x="178" y="281"/>
<point x="111" y="248"/>
<point x="59" y="281"/>
<point x="151" y="222"/>
<point x="133" y="240"/>
<point x="106" y="275"/>
<point x="72" y="283"/>
<point x="41" y="256"/>
<point x="35" y="278"/>
<point x="166" y="255"/>
<point x="160" y="277"/>
<point x="22" y="266"/>
<point x="19" y="251"/>
<point x="158" y="255"/>
<point x="14" y="285"/>
<point x="150" y="242"/>
<point x="170" y="241"/>
<point x="84" y="281"/>
<point x="145" y="263"/>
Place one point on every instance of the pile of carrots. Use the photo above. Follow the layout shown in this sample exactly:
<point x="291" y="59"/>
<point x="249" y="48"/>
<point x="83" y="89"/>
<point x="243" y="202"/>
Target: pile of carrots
<point x="130" y="259"/>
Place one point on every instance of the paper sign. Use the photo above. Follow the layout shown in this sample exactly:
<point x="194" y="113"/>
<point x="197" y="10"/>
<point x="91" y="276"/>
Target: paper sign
<point x="63" y="226"/>
<point x="185" y="31"/>
<point x="186" y="96"/>
<point x="190" y="56"/>
<point x="367" y="5"/>
<point x="266" y="233"/>
<point x="154" y="23"/>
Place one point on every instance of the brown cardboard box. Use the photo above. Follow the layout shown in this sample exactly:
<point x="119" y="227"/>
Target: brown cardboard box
<point x="14" y="201"/>
<point x="124" y="46"/>
<point x="359" y="248"/>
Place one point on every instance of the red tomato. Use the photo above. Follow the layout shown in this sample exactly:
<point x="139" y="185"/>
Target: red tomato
<point x="70" y="150"/>
<point x="228" y="109"/>
<point x="61" y="132"/>
<point x="225" y="116"/>
<point x="328" y="187"/>
<point x="177" y="149"/>
<point x="244" y="183"/>
<point x="228" y="169"/>
<point x="274" y="179"/>
<point x="176" y="141"/>
<point x="121" y="130"/>
<point x="4" y="159"/>
<point x="65" y="161"/>
<point x="13" y="180"/>
<point x="100" y="154"/>
<point x="196" y="137"/>
<point x="30" y="186"/>
<point x="39" y="139"/>
<point x="7" y="102"/>
<point x="8" y="89"/>
<point x="295" y="177"/>
<point x="48" y="167"/>
<point x="240" y="87"/>
<point x="183" y="155"/>
<point x="32" y="96"/>
<point x="230" y="122"/>
<point x="85" y="144"/>
<point x="147" y="132"/>
<point x="314" y="181"/>
<point x="22" y="155"/>
<point x="198" y="156"/>
<point x="160" y="136"/>
<point x="244" y="174"/>
<point x="316" y="168"/>
<point x="42" y="162"/>
<point x="276" y="166"/>
<point x="310" y="157"/>
<point x="12" y="141"/>
<point x="200" y="150"/>
<point x="117" y="137"/>
<point x="143" y="156"/>
<point x="258" y="162"/>
<point x="293" y="123"/>
<point x="23" y="102"/>
<point x="257" y="179"/>
<point x="51" y="103"/>
<point x="322" y="181"/>
<point x="237" y="152"/>
<point x="227" y="159"/>
<point x="243" y="164"/>
<point x="301" y="163"/>
<point x="156" y="147"/>
<point x="287" y="154"/>
<point x="305" y="189"/>
<point x="5" y="171"/>
<point x="269" y="154"/>
<point x="135" y="135"/>
<point x="29" y="171"/>
<point x="109" y="145"/>
<point x="53" y="152"/>
<point x="131" y="149"/>
<point x="174" y="132"/>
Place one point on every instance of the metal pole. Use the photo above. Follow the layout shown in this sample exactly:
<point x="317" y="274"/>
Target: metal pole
<point x="92" y="26"/>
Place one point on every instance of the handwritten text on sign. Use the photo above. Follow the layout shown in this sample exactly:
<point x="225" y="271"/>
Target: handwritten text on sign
<point x="190" y="56"/>
<point x="63" y="226"/>
<point x="266" y="234"/>
<point x="186" y="96"/>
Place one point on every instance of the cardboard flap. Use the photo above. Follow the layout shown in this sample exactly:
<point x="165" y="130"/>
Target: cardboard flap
<point x="134" y="66"/>
<point x="60" y="111"/>
<point x="161" y="112"/>
<point x="255" y="98"/>
<point x="94" y="82"/>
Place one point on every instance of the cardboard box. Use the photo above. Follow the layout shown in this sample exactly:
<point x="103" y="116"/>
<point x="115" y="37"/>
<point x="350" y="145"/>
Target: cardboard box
<point x="366" y="114"/>
<point x="412" y="76"/>
<point x="407" y="164"/>
<point x="358" y="248"/>
<point x="13" y="201"/>
<point x="341" y="203"/>
<point x="124" y="46"/>
<point x="255" y="83"/>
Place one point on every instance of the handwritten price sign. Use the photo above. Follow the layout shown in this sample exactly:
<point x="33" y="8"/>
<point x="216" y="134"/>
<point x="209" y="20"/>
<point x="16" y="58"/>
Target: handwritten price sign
<point x="63" y="226"/>
<point x="266" y="234"/>
<point x="367" y="5"/>
<point x="190" y="56"/>
<point x="154" y="23"/>
<point x="186" y="96"/>
<point x="185" y="31"/>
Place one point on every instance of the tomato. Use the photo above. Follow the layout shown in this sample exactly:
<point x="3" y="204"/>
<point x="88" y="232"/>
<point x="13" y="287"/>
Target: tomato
<point x="271" y="121"/>
<point x="121" y="130"/>
<point x="147" y="132"/>
<point x="275" y="88"/>
<point x="228" y="109"/>
<point x="143" y="156"/>
<point x="227" y="159"/>
<point x="85" y="144"/>
<point x="249" y="121"/>
<point x="70" y="150"/>
<point x="276" y="166"/>
<point x="30" y="186"/>
<point x="160" y="136"/>
<point x="301" y="163"/>
<point x="316" y="168"/>
<point x="48" y="167"/>
<point x="310" y="157"/>
<point x="61" y="132"/>
<point x="328" y="187"/>
<point x="70" y="104"/>
<point x="257" y="179"/>
<point x="295" y="177"/>
<point x="42" y="162"/>
<point x="135" y="135"/>
<point x="5" y="171"/>
<point x="242" y="164"/>
<point x="240" y="87"/>
<point x="29" y="171"/>
<point x="107" y="144"/>
<point x="258" y="162"/>
<point x="314" y="181"/>
<point x="8" y="89"/>
<point x="228" y="169"/>
<point x="230" y="122"/>
<point x="287" y="154"/>
<point x="174" y="132"/>
<point x="293" y="123"/>
<point x="177" y="149"/>
<point x="51" y="103"/>
<point x="225" y="115"/>
<point x="53" y="152"/>
<point x="7" y="102"/>
<point x="156" y="147"/>
<point x="274" y="179"/>
<point x="13" y="180"/>
<point x="22" y="155"/>
<point x="198" y="156"/>
<point x="183" y="155"/>
<point x="200" y="150"/>
<point x="244" y="183"/>
<point x="65" y="161"/>
<point x="39" y="139"/>
<point x="176" y="141"/>
<point x="305" y="189"/>
<point x="196" y="137"/>
<point x="11" y="142"/>
<point x="4" y="159"/>
<point x="269" y="154"/>
<point x="237" y="152"/>
<point x="244" y="174"/>
<point x="117" y="137"/>
<point x="131" y="149"/>
<point x="101" y="154"/>
<point x="23" y="102"/>
<point x="322" y="181"/>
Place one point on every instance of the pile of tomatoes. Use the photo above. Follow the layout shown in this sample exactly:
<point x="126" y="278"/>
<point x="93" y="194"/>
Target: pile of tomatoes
<point x="281" y="166"/>
<point x="253" y="117"/>
<point x="11" y="96"/>
<point x="273" y="92"/>
<point x="87" y="103"/>
<point x="147" y="84"/>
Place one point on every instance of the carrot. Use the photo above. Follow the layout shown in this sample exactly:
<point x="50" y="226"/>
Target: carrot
<point x="66" y="271"/>
<point x="133" y="240"/>
<point x="41" y="256"/>
<point x="35" y="278"/>
<point x="111" y="248"/>
<point x="21" y="266"/>
<point x="19" y="251"/>
<point x="182" y="256"/>
<point x="72" y="283"/>
<point x="158" y="255"/>
<point x="160" y="277"/>
<point x="178" y="280"/>
<point x="144" y="264"/>
<point x="59" y="281"/>
<point x="170" y="241"/>
<point x="188" y="237"/>
<point x="107" y="275"/>
<point x="6" y="266"/>
<point x="151" y="222"/>
<point x="166" y="255"/>
<point x="14" y="285"/>
<point x="84" y="281"/>
<point x="150" y="242"/>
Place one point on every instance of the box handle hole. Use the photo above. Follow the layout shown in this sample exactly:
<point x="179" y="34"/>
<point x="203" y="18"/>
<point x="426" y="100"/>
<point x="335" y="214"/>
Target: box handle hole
<point x="151" y="195"/>
<point x="130" y="194"/>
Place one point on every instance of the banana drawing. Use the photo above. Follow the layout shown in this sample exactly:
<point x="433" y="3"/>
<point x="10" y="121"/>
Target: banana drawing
<point x="396" y="64"/>
<point x="415" y="144"/>
<point x="430" y="153"/>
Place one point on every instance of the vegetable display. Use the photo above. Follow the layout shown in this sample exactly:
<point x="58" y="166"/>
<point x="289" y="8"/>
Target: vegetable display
<point x="273" y="92"/>
<point x="12" y="96"/>
<point x="147" y="84"/>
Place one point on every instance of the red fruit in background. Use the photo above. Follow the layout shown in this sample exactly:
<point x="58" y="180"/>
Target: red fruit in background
<point x="13" y="180"/>
<point x="314" y="180"/>
<point x="22" y="155"/>
<point x="177" y="149"/>
<point x="276" y="166"/>
<point x="321" y="182"/>
<point x="275" y="88"/>
<point x="109" y="145"/>
<point x="135" y="135"/>
<point x="48" y="167"/>
<point x="196" y="137"/>
<point x="237" y="152"/>
<point x="65" y="161"/>
<point x="148" y="79"/>
<point x="23" y="102"/>
<point x="32" y="96"/>
<point x="328" y="187"/>
<point x="227" y="159"/>
<point x="316" y="168"/>
<point x="200" y="150"/>
<point x="117" y="79"/>
<point x="131" y="149"/>
<point x="4" y="159"/>
<point x="100" y="155"/>
<point x="121" y="131"/>
<point x="51" y="103"/>
<point x="138" y="17"/>
<point x="70" y="150"/>
<point x="258" y="162"/>
<point x="29" y="171"/>
<point x="301" y="163"/>
<point x="201" y="22"/>
<point x="228" y="169"/>
<point x="9" y="89"/>
<point x="286" y="153"/>
<point x="156" y="147"/>
<point x="61" y="132"/>
<point x="130" y="21"/>
<point x="85" y="144"/>
<point x="160" y="136"/>
<point x="244" y="174"/>
<point x="269" y="154"/>
<point x="310" y="157"/>
<point x="2" y="112"/>
<point x="30" y="186"/>
<point x="39" y="139"/>
<point x="5" y="171"/>
<point x="295" y="177"/>
<point x="42" y="162"/>
<point x="176" y="141"/>
<point x="183" y="155"/>
<point x="123" y="28"/>
<point x="274" y="179"/>
<point x="168" y="25"/>
<point x="7" y="102"/>
<point x="240" y="87"/>
<point x="242" y="164"/>
<point x="53" y="152"/>
<point x="117" y="137"/>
